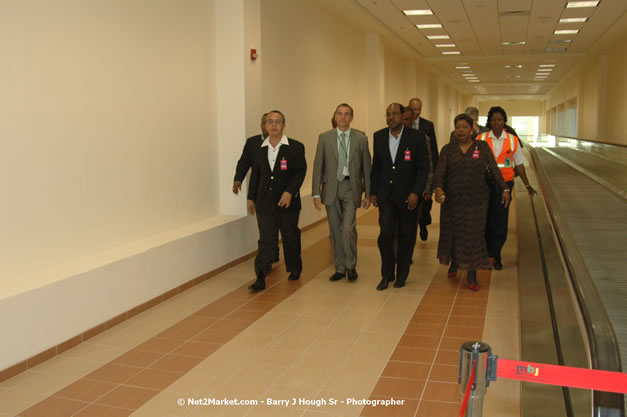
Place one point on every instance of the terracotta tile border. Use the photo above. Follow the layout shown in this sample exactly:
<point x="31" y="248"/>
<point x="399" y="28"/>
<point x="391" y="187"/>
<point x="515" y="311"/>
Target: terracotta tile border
<point x="216" y="331"/>
<point x="20" y="367"/>
<point x="447" y="306"/>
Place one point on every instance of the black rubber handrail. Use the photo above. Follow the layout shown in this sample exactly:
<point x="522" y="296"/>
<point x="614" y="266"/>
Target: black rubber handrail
<point x="604" y="349"/>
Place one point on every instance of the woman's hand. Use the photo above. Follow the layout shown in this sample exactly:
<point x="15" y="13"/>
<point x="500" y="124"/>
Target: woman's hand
<point x="505" y="200"/>
<point x="439" y="195"/>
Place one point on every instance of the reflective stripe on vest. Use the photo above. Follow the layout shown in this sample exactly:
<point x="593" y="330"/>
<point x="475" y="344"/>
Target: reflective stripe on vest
<point x="507" y="170"/>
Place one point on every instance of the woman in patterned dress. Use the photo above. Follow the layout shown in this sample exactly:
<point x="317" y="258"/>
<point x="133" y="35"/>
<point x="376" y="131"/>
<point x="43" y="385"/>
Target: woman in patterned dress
<point x="461" y="187"/>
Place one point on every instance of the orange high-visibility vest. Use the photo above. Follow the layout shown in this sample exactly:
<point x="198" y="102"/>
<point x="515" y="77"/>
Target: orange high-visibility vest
<point x="505" y="160"/>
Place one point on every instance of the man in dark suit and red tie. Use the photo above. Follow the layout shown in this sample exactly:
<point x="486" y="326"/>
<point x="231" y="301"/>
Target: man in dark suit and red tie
<point x="279" y="169"/>
<point x="426" y="127"/>
<point x="400" y="168"/>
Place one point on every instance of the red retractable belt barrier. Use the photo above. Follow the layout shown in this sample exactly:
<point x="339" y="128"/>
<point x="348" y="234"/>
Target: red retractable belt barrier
<point x="471" y="380"/>
<point x="566" y="376"/>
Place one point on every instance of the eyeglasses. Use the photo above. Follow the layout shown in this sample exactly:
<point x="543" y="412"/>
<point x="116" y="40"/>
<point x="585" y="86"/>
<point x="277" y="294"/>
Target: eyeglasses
<point x="274" y="121"/>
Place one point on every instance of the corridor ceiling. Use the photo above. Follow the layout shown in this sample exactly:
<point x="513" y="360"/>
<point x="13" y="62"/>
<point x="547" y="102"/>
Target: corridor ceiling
<point x="504" y="46"/>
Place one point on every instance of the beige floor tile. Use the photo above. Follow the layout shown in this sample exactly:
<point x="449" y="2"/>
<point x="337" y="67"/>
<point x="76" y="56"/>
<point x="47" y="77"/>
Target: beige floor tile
<point x="13" y="401"/>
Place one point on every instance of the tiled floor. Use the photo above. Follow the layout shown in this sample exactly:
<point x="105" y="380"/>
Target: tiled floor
<point x="315" y="344"/>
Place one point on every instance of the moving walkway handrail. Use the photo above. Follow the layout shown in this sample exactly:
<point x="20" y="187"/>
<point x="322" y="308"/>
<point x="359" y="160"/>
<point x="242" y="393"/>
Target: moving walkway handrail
<point x="604" y="350"/>
<point x="620" y="145"/>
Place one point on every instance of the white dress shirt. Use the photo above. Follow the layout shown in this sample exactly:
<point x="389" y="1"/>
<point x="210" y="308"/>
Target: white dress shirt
<point x="274" y="152"/>
<point x="519" y="156"/>
<point x="394" y="142"/>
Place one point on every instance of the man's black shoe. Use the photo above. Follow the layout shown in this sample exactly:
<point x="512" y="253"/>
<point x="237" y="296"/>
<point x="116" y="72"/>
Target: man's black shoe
<point x="258" y="285"/>
<point x="337" y="276"/>
<point x="383" y="284"/>
<point x="423" y="233"/>
<point x="352" y="275"/>
<point x="399" y="284"/>
<point x="294" y="276"/>
<point x="498" y="265"/>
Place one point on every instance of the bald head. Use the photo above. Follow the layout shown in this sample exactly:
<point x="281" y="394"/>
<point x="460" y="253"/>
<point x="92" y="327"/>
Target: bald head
<point x="416" y="105"/>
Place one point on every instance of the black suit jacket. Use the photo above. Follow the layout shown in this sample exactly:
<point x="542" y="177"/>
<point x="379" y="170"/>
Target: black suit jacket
<point x="426" y="126"/>
<point x="248" y="155"/>
<point x="400" y="177"/>
<point x="267" y="186"/>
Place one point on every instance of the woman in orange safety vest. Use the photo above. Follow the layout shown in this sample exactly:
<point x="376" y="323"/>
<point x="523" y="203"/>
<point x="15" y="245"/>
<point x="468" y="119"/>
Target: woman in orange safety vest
<point x="510" y="159"/>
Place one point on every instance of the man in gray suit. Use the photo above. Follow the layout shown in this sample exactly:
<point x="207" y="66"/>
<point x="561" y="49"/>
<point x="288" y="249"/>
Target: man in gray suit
<point x="341" y="174"/>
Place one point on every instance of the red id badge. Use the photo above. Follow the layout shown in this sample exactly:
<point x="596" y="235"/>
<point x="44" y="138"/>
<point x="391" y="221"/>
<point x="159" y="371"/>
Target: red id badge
<point x="284" y="164"/>
<point x="475" y="153"/>
<point x="407" y="155"/>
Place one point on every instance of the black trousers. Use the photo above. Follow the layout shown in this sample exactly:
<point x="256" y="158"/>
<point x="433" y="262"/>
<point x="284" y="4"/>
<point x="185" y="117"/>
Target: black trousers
<point x="496" y="224"/>
<point x="399" y="221"/>
<point x="269" y="224"/>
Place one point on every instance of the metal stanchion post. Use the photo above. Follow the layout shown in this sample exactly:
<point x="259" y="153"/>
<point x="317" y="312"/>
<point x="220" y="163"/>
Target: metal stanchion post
<point x="481" y="354"/>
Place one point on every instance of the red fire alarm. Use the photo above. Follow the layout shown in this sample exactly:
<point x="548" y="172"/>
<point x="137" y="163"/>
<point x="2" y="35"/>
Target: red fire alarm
<point x="253" y="54"/>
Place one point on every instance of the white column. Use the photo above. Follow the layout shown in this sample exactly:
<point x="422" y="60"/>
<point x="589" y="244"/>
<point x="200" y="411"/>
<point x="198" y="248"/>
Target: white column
<point x="602" y="99"/>
<point x="375" y="83"/>
<point x="230" y="100"/>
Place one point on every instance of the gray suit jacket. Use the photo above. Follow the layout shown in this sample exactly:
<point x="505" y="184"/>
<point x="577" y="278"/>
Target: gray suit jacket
<point x="325" y="180"/>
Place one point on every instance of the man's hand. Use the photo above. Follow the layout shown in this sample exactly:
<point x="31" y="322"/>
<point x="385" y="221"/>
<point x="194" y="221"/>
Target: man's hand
<point x="427" y="195"/>
<point x="507" y="197"/>
<point x="237" y="187"/>
<point x="317" y="203"/>
<point x="366" y="203"/>
<point x="530" y="190"/>
<point x="250" y="205"/>
<point x="373" y="200"/>
<point x="286" y="199"/>
<point x="412" y="201"/>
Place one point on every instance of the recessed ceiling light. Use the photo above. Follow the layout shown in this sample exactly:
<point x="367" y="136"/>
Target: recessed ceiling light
<point x="566" y="32"/>
<point x="451" y="53"/>
<point x="555" y="49"/>
<point x="546" y="65"/>
<point x="577" y="4"/>
<point x="445" y="45"/>
<point x="573" y="20"/>
<point x="422" y="12"/>
<point x="438" y="37"/>
<point x="462" y="67"/>
<point x="473" y="81"/>
<point x="541" y="70"/>
<point x="465" y="70"/>
<point x="561" y="41"/>
<point x="512" y="76"/>
<point x="513" y="66"/>
<point x="430" y="26"/>
<point x="513" y="43"/>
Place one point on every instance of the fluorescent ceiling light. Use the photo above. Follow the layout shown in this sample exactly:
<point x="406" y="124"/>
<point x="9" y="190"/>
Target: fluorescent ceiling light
<point x="422" y="12"/>
<point x="462" y="67"/>
<point x="468" y="75"/>
<point x="438" y="37"/>
<point x="573" y="20"/>
<point x="430" y="26"/>
<point x="445" y="45"/>
<point x="577" y="4"/>
<point x="512" y="76"/>
<point x="474" y="81"/>
<point x="566" y="32"/>
<point x="546" y="65"/>
<point x="513" y="66"/>
<point x="451" y="53"/>
<point x="561" y="41"/>
<point x="555" y="49"/>
<point x="513" y="43"/>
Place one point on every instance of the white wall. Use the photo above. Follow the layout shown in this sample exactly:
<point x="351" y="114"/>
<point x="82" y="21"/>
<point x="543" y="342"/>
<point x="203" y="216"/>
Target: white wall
<point x="107" y="128"/>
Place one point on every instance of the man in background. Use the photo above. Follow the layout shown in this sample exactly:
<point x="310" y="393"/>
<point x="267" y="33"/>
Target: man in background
<point x="425" y="126"/>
